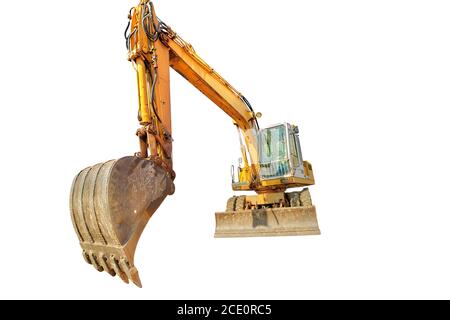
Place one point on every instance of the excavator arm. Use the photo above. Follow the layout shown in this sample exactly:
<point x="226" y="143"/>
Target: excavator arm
<point x="154" y="47"/>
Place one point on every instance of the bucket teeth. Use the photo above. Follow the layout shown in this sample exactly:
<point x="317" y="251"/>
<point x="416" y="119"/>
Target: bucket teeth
<point x="113" y="265"/>
<point x="104" y="263"/>
<point x="131" y="272"/>
<point x="86" y="257"/>
<point x="110" y="205"/>
<point x="116" y="268"/>
<point x="93" y="260"/>
<point x="135" y="277"/>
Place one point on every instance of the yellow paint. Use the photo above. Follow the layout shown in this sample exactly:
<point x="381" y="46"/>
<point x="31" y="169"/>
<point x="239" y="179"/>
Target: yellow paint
<point x="153" y="58"/>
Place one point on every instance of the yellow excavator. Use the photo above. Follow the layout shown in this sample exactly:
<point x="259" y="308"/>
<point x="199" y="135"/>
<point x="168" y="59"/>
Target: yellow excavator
<point x="111" y="202"/>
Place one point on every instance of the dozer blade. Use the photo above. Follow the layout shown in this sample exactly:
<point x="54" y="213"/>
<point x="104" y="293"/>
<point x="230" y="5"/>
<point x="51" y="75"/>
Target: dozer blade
<point x="295" y="221"/>
<point x="110" y="205"/>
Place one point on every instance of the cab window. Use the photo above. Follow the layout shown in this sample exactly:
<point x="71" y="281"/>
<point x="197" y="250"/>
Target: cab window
<point x="273" y="144"/>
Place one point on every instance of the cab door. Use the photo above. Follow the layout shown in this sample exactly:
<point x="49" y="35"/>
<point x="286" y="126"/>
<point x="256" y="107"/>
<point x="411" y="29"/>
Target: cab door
<point x="295" y="151"/>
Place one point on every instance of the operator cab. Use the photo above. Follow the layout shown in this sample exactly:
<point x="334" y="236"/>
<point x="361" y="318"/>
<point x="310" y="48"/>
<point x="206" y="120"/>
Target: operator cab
<point x="281" y="162"/>
<point x="280" y="153"/>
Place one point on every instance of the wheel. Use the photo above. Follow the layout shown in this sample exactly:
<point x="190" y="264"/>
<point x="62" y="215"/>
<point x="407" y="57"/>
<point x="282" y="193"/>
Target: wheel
<point x="231" y="203"/>
<point x="294" y="199"/>
<point x="281" y="204"/>
<point x="305" y="198"/>
<point x="240" y="203"/>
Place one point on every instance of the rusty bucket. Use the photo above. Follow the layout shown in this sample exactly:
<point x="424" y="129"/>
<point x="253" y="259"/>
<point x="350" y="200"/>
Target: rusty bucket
<point x="110" y="205"/>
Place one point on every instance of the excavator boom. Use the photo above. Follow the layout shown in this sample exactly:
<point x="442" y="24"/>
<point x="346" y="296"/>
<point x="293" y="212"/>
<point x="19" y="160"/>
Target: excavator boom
<point x="112" y="202"/>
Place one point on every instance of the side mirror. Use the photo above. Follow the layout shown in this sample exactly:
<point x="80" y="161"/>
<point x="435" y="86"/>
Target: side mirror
<point x="295" y="129"/>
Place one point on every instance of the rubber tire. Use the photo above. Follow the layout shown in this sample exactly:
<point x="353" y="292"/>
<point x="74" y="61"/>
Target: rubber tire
<point x="231" y="204"/>
<point x="305" y="198"/>
<point x="240" y="203"/>
<point x="294" y="199"/>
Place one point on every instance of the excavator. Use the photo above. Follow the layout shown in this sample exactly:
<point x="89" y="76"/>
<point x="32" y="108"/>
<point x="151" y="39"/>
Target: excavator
<point x="111" y="202"/>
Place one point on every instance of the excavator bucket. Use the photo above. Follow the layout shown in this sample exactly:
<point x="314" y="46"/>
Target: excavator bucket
<point x="110" y="205"/>
<point x="298" y="219"/>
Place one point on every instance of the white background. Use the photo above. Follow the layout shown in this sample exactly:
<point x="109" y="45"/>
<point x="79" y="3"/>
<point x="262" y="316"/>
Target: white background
<point x="367" y="81"/>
